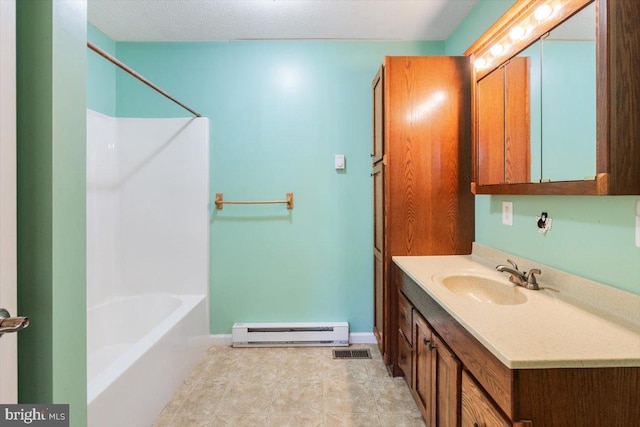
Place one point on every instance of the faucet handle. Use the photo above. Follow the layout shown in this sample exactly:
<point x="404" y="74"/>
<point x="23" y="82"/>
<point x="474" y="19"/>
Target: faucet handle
<point x="515" y="266"/>
<point x="532" y="282"/>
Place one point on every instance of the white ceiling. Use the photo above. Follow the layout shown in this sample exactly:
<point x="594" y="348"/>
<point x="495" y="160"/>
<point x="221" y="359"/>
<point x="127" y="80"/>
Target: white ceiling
<point x="210" y="20"/>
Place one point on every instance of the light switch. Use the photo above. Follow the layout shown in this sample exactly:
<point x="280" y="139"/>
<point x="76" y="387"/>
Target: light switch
<point x="507" y="213"/>
<point x="339" y="162"/>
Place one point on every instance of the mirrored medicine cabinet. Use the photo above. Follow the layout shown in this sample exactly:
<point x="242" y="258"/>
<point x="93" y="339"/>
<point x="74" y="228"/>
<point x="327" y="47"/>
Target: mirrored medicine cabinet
<point x="557" y="101"/>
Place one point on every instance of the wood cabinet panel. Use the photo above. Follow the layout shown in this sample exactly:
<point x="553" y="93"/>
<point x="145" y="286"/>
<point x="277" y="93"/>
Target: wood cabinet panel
<point x="428" y="208"/>
<point x="424" y="381"/>
<point x="517" y="137"/>
<point x="585" y="396"/>
<point x="477" y="408"/>
<point x="378" y="207"/>
<point x="378" y="116"/>
<point x="405" y="318"/>
<point x="491" y="159"/>
<point x="427" y="100"/>
<point x="449" y="378"/>
<point x="405" y="358"/>
<point x="379" y="300"/>
<point x="378" y="256"/>
<point x="618" y="95"/>
<point x="503" y="124"/>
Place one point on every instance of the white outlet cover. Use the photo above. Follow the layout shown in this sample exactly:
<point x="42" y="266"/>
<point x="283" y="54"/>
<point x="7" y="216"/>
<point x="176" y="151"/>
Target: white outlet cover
<point x="547" y="225"/>
<point x="507" y="213"/>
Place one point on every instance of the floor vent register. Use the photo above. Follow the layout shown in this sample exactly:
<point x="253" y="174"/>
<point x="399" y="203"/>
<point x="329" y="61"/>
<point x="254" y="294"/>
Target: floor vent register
<point x="352" y="354"/>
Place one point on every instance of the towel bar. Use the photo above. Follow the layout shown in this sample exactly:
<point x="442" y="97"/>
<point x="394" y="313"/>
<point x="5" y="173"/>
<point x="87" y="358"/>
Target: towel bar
<point x="220" y="201"/>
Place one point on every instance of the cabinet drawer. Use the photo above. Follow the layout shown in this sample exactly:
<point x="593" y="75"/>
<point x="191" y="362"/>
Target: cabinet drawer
<point x="405" y="358"/>
<point x="478" y="410"/>
<point x="405" y="317"/>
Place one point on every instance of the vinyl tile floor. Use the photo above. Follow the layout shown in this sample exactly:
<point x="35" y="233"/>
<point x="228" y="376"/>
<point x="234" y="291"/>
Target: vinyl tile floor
<point x="297" y="387"/>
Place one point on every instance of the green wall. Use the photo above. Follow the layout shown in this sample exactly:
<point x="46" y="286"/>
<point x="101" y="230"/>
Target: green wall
<point x="485" y="13"/>
<point x="591" y="236"/>
<point x="279" y="113"/>
<point x="101" y="74"/>
<point x="51" y="95"/>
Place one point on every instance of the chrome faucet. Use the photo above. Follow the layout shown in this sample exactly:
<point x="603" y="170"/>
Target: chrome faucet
<point x="521" y="278"/>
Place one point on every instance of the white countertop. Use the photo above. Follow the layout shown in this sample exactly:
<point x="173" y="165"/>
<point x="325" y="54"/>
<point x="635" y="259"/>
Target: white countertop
<point x="546" y="331"/>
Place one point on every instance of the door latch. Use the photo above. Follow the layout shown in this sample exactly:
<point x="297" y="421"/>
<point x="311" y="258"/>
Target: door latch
<point x="11" y="324"/>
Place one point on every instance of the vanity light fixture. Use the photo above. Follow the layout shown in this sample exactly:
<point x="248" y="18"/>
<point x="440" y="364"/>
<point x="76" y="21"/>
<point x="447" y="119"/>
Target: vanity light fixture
<point x="480" y="64"/>
<point x="543" y="12"/>
<point x="517" y="33"/>
<point x="536" y="18"/>
<point x="497" y="49"/>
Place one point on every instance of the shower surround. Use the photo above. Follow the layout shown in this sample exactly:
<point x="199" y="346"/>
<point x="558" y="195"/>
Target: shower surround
<point x="147" y="262"/>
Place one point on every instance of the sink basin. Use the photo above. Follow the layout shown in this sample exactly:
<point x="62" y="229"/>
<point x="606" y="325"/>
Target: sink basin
<point x="483" y="289"/>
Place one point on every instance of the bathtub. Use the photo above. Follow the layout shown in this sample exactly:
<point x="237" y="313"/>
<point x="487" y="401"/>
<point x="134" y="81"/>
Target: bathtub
<point x="139" y="350"/>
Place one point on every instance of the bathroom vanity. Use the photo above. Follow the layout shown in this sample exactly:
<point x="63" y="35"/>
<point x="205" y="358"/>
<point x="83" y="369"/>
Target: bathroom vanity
<point x="478" y="351"/>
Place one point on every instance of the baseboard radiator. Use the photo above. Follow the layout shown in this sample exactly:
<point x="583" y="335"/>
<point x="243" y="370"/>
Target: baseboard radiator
<point x="290" y="334"/>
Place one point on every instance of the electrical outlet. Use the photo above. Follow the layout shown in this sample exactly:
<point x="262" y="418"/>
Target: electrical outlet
<point x="507" y="213"/>
<point x="546" y="225"/>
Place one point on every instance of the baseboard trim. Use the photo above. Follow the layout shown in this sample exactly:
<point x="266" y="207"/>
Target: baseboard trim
<point x="362" y="338"/>
<point x="221" y="339"/>
<point x="354" y="338"/>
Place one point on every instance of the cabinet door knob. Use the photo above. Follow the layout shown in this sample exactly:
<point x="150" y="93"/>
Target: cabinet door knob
<point x="425" y="341"/>
<point x="476" y="425"/>
<point x="403" y="357"/>
<point x="431" y="346"/>
<point x="371" y="154"/>
<point x="402" y="316"/>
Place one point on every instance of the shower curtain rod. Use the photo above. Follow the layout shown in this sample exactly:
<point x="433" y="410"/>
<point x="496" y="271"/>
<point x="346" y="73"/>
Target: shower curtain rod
<point x="116" y="62"/>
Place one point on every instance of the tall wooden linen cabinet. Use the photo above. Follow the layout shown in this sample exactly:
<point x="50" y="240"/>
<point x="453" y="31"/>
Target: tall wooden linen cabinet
<point x="423" y="204"/>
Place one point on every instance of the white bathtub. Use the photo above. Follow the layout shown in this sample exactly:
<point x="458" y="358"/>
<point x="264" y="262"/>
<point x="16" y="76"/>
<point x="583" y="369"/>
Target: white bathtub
<point x="139" y="350"/>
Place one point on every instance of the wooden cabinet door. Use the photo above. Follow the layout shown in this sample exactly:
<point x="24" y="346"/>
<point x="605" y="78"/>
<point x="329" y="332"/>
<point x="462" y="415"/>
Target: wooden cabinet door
<point x="448" y="383"/>
<point x="490" y="102"/>
<point x="378" y="256"/>
<point x="517" y="127"/>
<point x="424" y="371"/>
<point x="477" y="409"/>
<point x="378" y="116"/>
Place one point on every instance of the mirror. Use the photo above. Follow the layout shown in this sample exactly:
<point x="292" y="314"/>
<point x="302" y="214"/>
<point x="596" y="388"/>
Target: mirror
<point x="533" y="54"/>
<point x="569" y="99"/>
<point x="509" y="129"/>
<point x="536" y="113"/>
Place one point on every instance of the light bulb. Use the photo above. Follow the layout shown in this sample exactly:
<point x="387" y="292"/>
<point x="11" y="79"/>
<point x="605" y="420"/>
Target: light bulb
<point x="480" y="63"/>
<point x="497" y="49"/>
<point x="516" y="33"/>
<point x="543" y="12"/>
